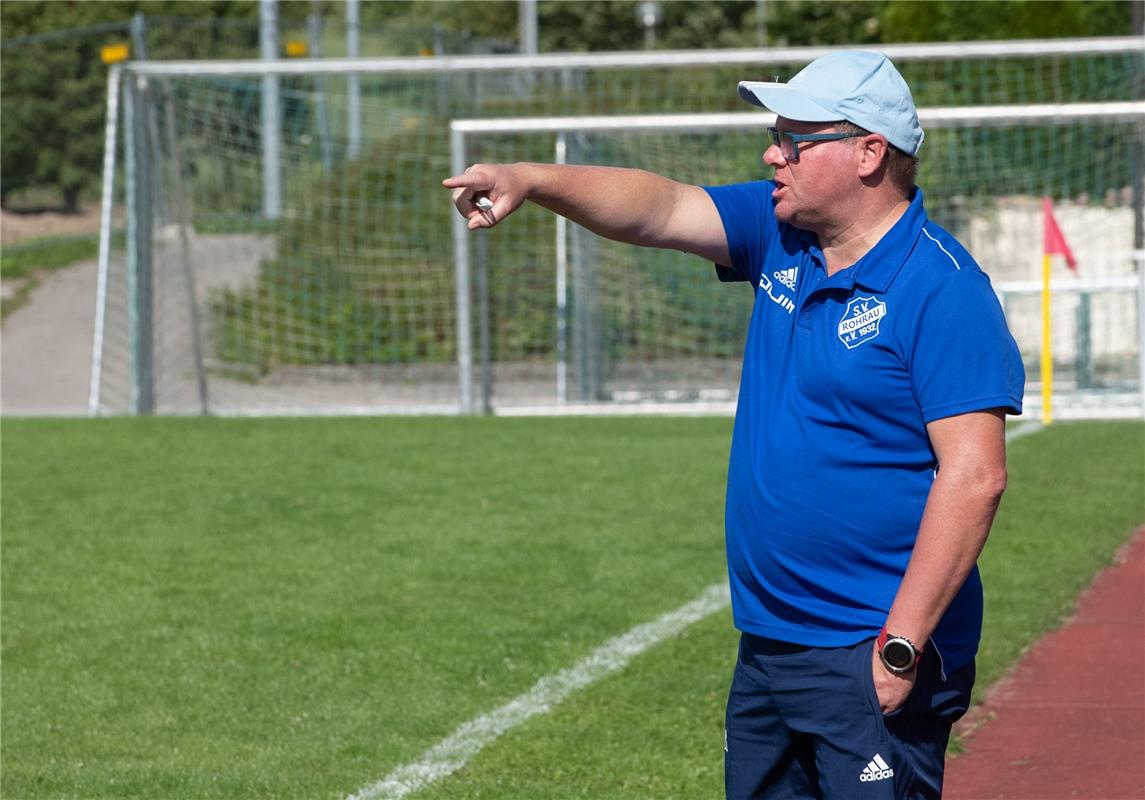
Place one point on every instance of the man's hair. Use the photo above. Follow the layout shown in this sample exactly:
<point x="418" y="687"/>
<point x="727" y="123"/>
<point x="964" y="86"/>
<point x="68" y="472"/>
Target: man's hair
<point x="901" y="167"/>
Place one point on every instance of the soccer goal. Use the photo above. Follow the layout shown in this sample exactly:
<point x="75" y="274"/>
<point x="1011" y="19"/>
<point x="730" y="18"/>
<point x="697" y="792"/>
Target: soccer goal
<point x="273" y="268"/>
<point x="649" y="327"/>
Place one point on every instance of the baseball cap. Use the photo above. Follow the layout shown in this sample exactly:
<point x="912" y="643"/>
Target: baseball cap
<point x="859" y="86"/>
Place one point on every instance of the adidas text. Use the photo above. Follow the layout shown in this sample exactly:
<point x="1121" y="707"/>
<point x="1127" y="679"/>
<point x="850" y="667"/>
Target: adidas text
<point x="787" y="277"/>
<point x="877" y="770"/>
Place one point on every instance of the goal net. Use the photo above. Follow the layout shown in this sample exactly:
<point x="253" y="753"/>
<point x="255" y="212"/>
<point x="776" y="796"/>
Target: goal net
<point x="638" y="326"/>
<point x="301" y="257"/>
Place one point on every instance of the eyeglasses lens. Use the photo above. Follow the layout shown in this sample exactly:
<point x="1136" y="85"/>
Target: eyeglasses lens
<point x="784" y="143"/>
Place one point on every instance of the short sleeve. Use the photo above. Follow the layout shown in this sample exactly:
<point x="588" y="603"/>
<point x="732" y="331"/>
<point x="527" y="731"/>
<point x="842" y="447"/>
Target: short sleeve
<point x="962" y="355"/>
<point x="747" y="214"/>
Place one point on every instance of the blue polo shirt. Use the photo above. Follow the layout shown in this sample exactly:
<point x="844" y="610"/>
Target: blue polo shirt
<point x="830" y="462"/>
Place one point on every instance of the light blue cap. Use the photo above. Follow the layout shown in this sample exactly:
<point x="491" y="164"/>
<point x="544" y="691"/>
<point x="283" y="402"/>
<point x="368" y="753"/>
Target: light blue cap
<point x="858" y="86"/>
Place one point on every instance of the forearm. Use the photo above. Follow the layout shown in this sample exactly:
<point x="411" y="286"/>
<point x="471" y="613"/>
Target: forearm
<point x="955" y="523"/>
<point x="627" y="205"/>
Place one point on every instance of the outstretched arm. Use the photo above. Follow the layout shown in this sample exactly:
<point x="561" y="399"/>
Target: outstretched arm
<point x="626" y="205"/>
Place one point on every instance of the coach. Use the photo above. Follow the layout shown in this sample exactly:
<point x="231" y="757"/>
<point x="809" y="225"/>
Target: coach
<point x="868" y="456"/>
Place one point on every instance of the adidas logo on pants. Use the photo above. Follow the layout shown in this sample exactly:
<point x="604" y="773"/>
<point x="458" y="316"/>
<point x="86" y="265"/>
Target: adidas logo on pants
<point x="877" y="770"/>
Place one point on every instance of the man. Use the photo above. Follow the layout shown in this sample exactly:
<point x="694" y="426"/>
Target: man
<point x="868" y="454"/>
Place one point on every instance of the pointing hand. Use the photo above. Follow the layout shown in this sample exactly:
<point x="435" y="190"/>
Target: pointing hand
<point x="486" y="193"/>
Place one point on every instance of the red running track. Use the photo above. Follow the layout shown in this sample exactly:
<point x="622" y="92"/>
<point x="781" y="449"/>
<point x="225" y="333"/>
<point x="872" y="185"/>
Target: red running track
<point x="1069" y="722"/>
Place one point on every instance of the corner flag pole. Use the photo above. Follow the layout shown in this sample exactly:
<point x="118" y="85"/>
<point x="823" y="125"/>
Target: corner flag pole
<point x="1047" y="346"/>
<point x="1052" y="242"/>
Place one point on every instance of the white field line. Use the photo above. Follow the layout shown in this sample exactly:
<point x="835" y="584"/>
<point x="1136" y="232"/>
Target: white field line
<point x="451" y="753"/>
<point x="1024" y="428"/>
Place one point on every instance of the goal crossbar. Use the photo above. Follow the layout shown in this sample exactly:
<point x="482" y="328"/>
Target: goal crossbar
<point x="666" y="58"/>
<point x="948" y="116"/>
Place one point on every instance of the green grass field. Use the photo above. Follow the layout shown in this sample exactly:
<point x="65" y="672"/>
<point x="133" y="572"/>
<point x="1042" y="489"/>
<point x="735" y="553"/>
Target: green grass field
<point x="214" y="608"/>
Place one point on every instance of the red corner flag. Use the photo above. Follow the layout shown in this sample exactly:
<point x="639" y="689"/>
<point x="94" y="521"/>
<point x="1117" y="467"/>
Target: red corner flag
<point x="1053" y="241"/>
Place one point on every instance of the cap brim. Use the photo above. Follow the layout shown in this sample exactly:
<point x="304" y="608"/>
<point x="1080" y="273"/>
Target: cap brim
<point x="785" y="101"/>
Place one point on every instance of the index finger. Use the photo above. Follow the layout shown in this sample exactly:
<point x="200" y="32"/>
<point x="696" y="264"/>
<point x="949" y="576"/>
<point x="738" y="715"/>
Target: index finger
<point x="465" y="180"/>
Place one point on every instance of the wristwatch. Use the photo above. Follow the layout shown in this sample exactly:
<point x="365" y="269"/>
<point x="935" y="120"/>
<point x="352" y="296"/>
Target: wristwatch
<point x="898" y="653"/>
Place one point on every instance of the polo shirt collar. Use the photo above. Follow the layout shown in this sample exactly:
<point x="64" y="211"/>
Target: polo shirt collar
<point x="877" y="269"/>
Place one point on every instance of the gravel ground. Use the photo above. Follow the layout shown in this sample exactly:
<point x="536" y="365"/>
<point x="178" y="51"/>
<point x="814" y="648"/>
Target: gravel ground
<point x="46" y="346"/>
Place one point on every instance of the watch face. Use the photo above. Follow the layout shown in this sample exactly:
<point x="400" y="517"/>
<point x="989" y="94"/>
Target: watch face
<point x="898" y="654"/>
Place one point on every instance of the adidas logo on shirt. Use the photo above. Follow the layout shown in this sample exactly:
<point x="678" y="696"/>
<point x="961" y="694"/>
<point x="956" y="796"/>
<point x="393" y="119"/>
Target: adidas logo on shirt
<point x="787" y="276"/>
<point x="877" y="770"/>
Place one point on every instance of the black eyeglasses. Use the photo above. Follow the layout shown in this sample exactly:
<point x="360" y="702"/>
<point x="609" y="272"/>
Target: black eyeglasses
<point x="788" y="143"/>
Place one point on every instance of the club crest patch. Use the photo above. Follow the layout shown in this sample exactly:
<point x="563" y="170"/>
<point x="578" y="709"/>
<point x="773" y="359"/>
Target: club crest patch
<point x="860" y="322"/>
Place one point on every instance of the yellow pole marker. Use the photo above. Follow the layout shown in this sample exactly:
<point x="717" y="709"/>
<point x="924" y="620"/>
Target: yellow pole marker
<point x="114" y="53"/>
<point x="296" y="48"/>
<point x="1047" y="347"/>
<point x="1052" y="242"/>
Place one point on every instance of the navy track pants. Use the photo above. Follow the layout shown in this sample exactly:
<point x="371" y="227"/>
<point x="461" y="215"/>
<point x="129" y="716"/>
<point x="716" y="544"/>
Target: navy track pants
<point x="805" y="722"/>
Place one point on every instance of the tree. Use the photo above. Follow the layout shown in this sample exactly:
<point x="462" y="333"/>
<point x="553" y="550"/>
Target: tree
<point x="52" y="88"/>
<point x="800" y="23"/>
<point x="948" y="20"/>
<point x="52" y="93"/>
<point x="592" y="25"/>
<point x="52" y="132"/>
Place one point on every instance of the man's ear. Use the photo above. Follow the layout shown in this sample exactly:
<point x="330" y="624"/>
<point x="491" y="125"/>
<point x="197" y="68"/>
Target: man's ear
<point x="874" y="153"/>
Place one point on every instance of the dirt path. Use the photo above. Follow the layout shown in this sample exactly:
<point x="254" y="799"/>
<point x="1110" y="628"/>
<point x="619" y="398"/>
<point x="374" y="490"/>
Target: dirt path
<point x="1069" y="722"/>
<point x="45" y="347"/>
